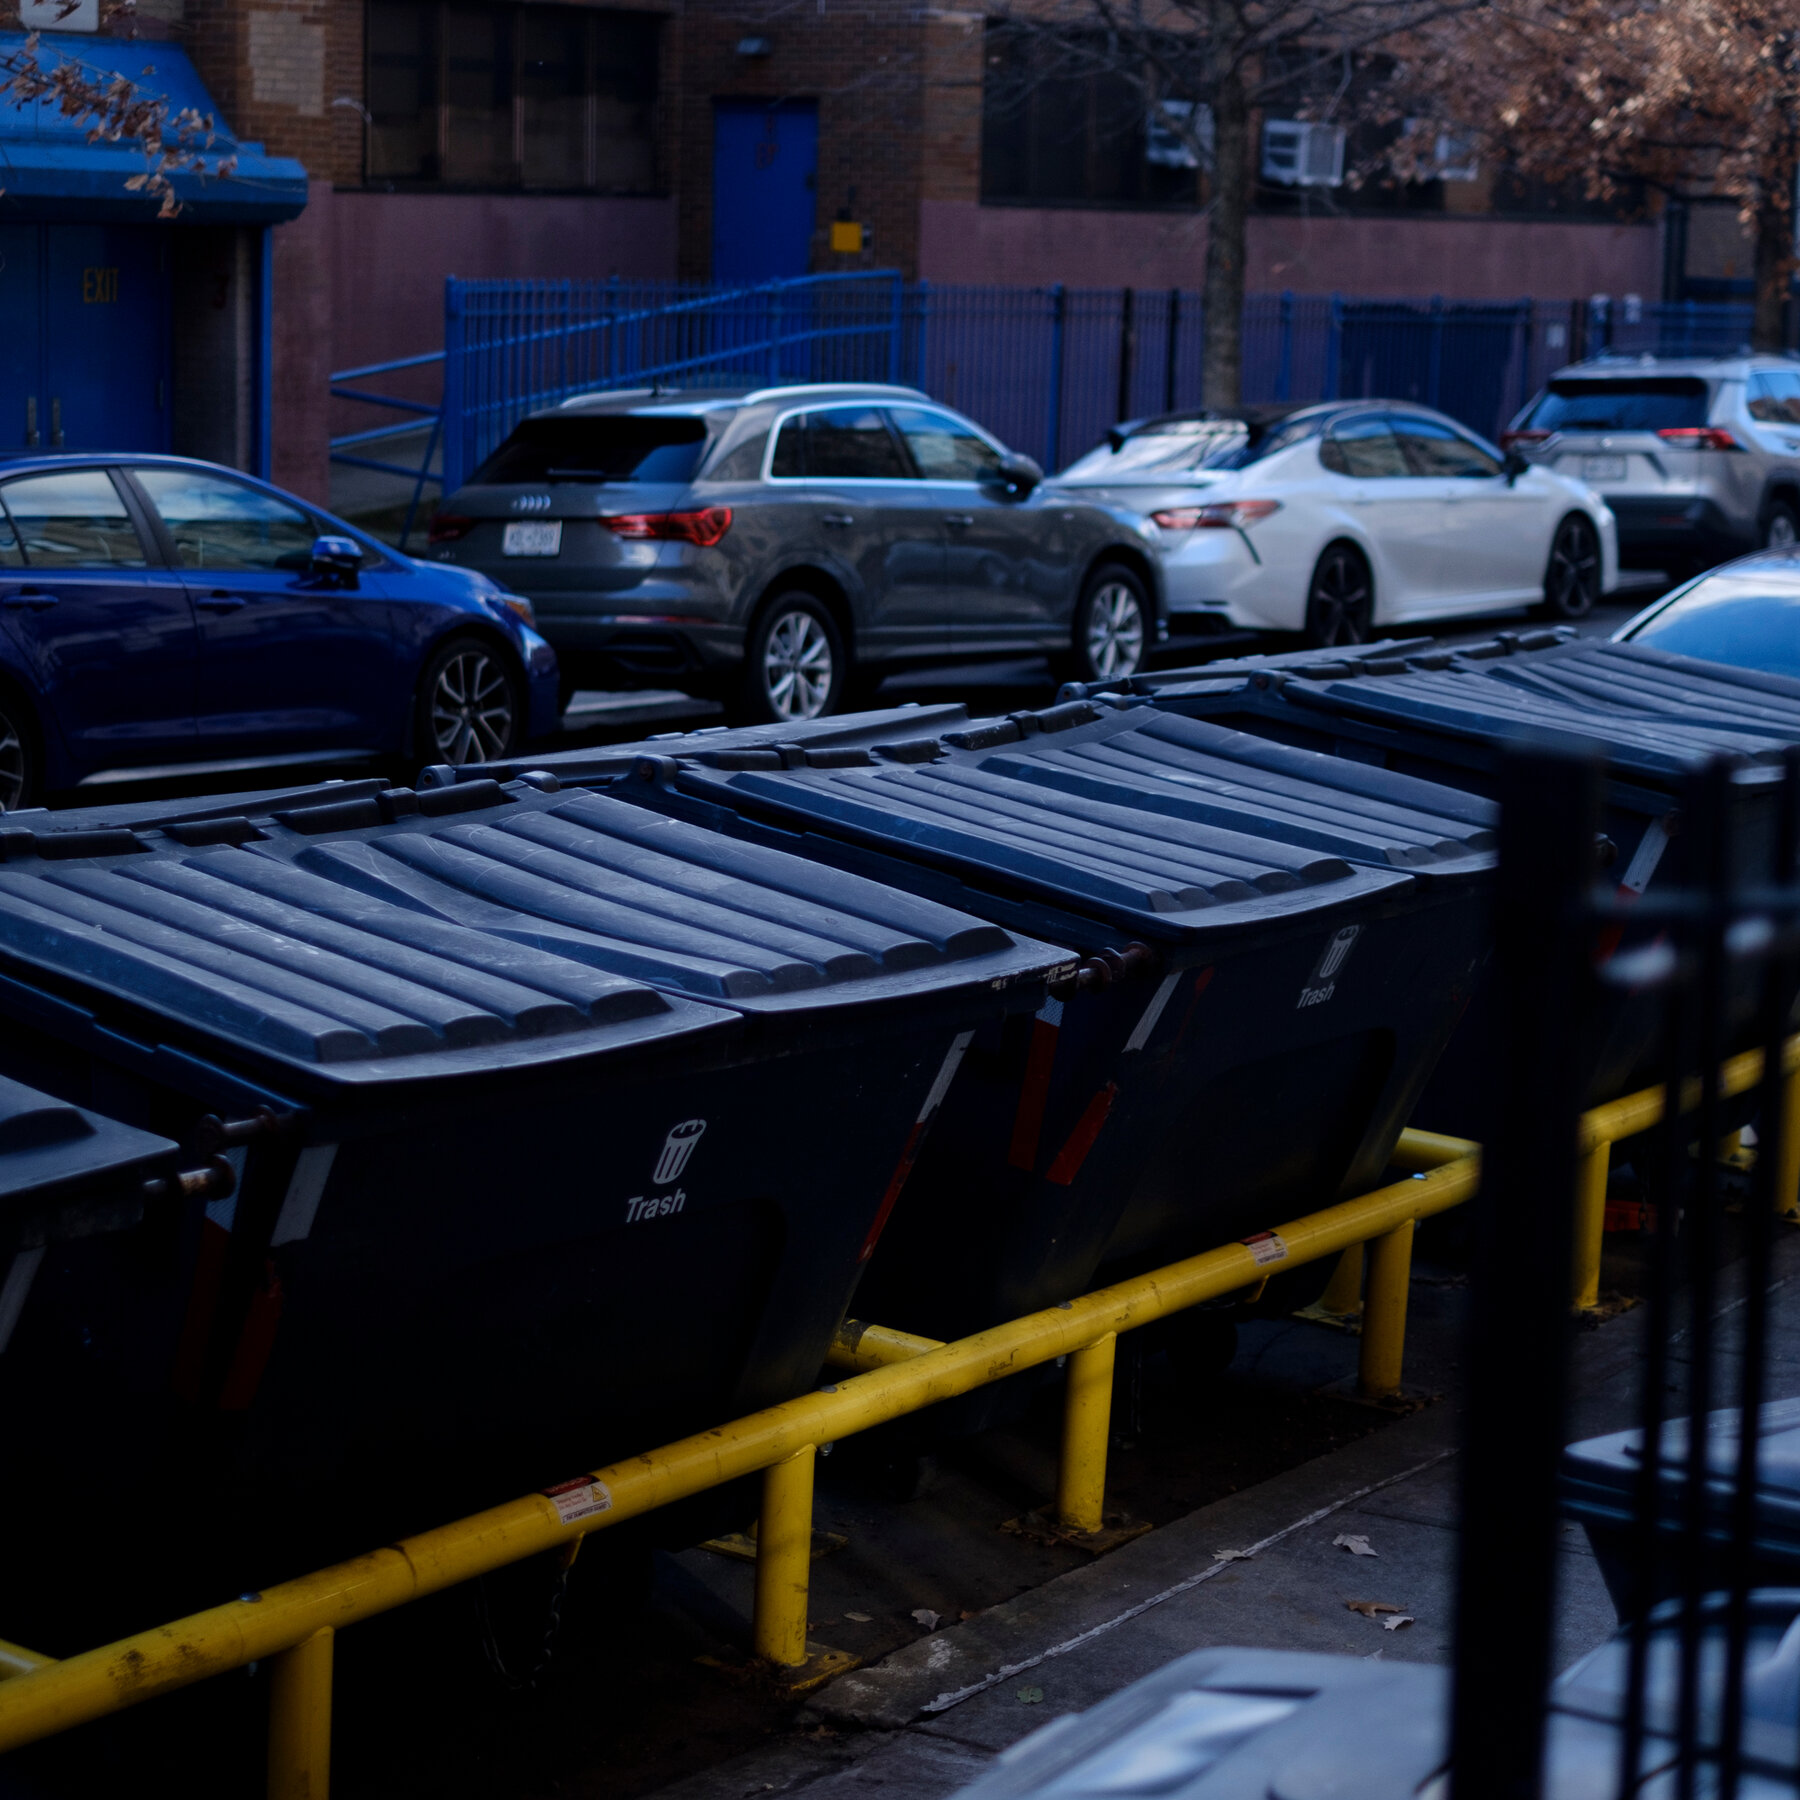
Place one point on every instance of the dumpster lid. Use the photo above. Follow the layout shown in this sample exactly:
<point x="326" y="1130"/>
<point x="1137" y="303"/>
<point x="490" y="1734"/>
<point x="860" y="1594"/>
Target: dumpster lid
<point x="1474" y="707"/>
<point x="1614" y="1460"/>
<point x="585" y="876"/>
<point x="213" y="943"/>
<point x="1192" y="769"/>
<point x="1160" y="875"/>
<point x="400" y="935"/>
<point x="49" y="1148"/>
<point x="865" y="728"/>
<point x="1639" y="680"/>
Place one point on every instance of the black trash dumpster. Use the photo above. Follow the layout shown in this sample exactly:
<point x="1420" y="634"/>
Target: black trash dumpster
<point x="1254" y="1018"/>
<point x="561" y="1130"/>
<point x="67" y="1173"/>
<point x="1448" y="717"/>
<point x="1600" y="1477"/>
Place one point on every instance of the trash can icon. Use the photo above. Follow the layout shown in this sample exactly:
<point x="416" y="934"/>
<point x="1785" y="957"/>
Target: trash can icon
<point x="678" y="1146"/>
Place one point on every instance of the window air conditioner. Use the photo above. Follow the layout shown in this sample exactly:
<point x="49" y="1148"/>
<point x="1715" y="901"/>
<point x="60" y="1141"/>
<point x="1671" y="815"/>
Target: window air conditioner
<point x="1297" y="153"/>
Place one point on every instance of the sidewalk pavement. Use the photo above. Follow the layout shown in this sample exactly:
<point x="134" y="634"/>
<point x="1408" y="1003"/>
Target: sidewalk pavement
<point x="926" y="1720"/>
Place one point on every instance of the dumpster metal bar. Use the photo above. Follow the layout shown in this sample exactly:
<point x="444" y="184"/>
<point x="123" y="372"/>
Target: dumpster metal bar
<point x="1606" y="1125"/>
<point x="294" y="1621"/>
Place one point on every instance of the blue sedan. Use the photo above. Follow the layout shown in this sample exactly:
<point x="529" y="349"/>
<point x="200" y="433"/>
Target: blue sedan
<point x="157" y="611"/>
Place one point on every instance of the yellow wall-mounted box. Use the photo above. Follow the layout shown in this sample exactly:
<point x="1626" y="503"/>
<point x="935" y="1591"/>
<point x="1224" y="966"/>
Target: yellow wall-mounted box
<point x="846" y="238"/>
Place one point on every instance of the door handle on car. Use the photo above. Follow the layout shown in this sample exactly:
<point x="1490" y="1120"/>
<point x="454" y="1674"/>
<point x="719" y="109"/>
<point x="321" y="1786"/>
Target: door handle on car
<point x="35" y="599"/>
<point x="837" y="519"/>
<point x="221" y="602"/>
<point x="961" y="521"/>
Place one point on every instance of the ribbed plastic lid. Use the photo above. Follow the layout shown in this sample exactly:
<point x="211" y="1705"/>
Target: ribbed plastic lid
<point x="47" y="1145"/>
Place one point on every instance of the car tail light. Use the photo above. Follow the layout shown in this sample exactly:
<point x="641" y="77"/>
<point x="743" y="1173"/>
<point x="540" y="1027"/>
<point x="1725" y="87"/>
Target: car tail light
<point x="1522" y="440"/>
<point x="704" y="528"/>
<point x="1699" y="437"/>
<point x="446" y="528"/>
<point x="1222" y="515"/>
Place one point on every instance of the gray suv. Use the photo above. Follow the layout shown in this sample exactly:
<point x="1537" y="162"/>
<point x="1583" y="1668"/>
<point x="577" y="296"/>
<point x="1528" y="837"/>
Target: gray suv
<point x="1698" y="457"/>
<point x="784" y="549"/>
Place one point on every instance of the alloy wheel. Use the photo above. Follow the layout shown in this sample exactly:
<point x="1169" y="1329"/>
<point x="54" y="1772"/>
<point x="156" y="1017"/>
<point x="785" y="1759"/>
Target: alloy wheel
<point x="1115" y="631"/>
<point x="1573" y="584"/>
<point x="1338" y="607"/>
<point x="471" y="709"/>
<point x="797" y="667"/>
<point x="14" y="769"/>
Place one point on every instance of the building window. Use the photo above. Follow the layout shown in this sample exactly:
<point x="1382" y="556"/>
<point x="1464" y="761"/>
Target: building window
<point x="1060" y="127"/>
<point x="483" y="96"/>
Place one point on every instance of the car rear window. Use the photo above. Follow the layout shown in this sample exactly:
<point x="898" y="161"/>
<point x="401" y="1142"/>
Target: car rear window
<point x="1731" y="620"/>
<point x="606" y="447"/>
<point x="1170" y="448"/>
<point x="1620" y="403"/>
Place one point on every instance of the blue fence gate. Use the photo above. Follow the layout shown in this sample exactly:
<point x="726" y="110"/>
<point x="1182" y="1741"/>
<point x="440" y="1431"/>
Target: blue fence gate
<point x="1047" y="370"/>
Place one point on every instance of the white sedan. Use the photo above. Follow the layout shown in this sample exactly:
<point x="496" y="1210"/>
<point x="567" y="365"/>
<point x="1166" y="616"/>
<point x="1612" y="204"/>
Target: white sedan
<point x="1345" y="517"/>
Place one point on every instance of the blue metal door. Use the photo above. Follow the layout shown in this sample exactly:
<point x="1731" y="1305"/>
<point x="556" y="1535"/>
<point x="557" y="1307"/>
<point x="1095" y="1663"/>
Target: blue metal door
<point x="21" y="334"/>
<point x="106" y="337"/>
<point x="765" y="189"/>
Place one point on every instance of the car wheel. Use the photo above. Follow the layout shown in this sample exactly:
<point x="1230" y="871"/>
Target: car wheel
<point x="20" y="766"/>
<point x="470" y="705"/>
<point x="795" y="667"/>
<point x="1112" y="625"/>
<point x="1572" y="581"/>
<point x="1781" y="530"/>
<point x="1340" y="604"/>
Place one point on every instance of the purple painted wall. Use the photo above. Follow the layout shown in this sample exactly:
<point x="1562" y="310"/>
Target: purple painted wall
<point x="1460" y="258"/>
<point x="391" y="252"/>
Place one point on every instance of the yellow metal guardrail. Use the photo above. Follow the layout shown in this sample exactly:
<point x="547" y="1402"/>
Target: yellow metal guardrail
<point x="1606" y="1125"/>
<point x="292" y="1626"/>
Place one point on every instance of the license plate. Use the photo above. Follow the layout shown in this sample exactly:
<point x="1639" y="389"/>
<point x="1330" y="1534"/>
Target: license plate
<point x="532" y="537"/>
<point x="1601" y="468"/>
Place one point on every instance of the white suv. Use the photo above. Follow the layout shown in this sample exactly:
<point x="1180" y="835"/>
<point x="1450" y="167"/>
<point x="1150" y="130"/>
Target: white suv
<point x="1698" y="457"/>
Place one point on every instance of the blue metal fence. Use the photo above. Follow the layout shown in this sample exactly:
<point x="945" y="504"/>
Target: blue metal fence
<point x="1045" y="369"/>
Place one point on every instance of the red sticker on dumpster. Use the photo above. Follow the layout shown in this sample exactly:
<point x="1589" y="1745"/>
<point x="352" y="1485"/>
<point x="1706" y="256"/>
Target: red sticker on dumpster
<point x="579" y="1499"/>
<point x="1266" y="1247"/>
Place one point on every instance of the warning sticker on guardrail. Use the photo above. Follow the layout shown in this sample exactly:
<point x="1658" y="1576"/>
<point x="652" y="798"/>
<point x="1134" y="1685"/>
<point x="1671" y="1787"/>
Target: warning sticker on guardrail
<point x="579" y="1499"/>
<point x="1266" y="1247"/>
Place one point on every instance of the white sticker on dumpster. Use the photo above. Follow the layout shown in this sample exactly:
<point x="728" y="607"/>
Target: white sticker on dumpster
<point x="1266" y="1247"/>
<point x="579" y="1499"/>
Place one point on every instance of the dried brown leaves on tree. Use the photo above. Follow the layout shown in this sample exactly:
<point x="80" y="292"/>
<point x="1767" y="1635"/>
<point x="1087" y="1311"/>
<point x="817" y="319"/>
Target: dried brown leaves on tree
<point x="1697" y="98"/>
<point x="115" y="110"/>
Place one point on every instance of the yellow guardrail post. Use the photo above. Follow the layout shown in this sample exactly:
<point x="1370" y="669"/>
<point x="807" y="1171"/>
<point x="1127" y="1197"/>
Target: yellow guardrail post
<point x="1787" y="1173"/>
<point x="1590" y="1221"/>
<point x="1384" y="1312"/>
<point x="784" y="1559"/>
<point x="1343" y="1295"/>
<point x="300" y="1719"/>
<point x="1087" y="1419"/>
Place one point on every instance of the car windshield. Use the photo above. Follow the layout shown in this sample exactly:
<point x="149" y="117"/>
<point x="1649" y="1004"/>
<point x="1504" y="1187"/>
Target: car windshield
<point x="1620" y="403"/>
<point x="605" y="447"/>
<point x="1731" y="619"/>
<point x="1176" y="447"/>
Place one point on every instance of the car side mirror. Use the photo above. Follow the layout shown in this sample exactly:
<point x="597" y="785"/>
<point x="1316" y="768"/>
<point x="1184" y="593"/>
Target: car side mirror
<point x="1018" y="474"/>
<point x="1515" y="465"/>
<point x="336" y="561"/>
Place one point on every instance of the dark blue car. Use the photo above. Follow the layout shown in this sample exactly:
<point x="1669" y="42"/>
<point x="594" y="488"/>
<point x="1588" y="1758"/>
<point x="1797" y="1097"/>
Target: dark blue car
<point x="159" y="611"/>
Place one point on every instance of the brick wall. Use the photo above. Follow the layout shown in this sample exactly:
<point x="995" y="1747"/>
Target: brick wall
<point x="863" y="63"/>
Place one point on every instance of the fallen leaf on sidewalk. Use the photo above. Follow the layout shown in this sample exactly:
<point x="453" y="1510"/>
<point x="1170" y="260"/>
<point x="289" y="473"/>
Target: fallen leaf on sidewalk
<point x="967" y="1613"/>
<point x="859" y="1618"/>
<point x="926" y="1617"/>
<point x="1396" y="1621"/>
<point x="1372" y="1608"/>
<point x="1030" y="1696"/>
<point x="1354" y="1543"/>
<point x="1233" y="1555"/>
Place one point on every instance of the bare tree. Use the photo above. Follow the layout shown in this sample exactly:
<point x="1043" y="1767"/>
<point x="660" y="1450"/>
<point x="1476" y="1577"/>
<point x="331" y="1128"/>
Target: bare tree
<point x="1204" y="70"/>
<point x="1694" y="97"/>
<point x="115" y="110"/>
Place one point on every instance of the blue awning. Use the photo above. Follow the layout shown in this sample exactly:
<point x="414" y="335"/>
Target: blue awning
<point x="49" y="170"/>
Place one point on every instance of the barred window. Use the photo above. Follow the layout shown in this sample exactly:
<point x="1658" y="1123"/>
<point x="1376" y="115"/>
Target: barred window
<point x="560" y="98"/>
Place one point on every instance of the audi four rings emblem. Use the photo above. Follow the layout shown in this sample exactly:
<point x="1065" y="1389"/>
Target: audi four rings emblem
<point x="678" y="1146"/>
<point x="531" y="503"/>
